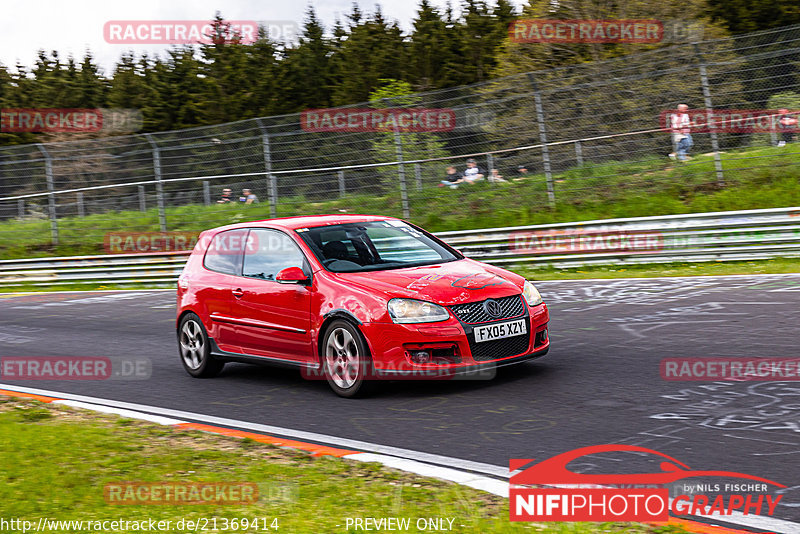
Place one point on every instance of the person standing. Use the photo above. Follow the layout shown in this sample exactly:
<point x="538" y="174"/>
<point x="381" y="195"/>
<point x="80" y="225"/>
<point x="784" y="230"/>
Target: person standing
<point x="787" y="125"/>
<point x="681" y="127"/>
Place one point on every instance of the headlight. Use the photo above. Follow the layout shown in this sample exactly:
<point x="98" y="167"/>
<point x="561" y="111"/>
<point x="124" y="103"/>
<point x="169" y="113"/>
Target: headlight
<point x="531" y="294"/>
<point x="416" y="311"/>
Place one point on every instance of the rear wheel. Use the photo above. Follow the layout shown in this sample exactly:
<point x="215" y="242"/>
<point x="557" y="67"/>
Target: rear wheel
<point x="195" y="349"/>
<point x="346" y="360"/>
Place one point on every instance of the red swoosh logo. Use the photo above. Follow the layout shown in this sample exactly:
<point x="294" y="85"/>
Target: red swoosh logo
<point x="554" y="470"/>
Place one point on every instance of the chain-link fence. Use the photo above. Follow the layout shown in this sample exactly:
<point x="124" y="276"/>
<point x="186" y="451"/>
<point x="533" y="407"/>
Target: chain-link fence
<point x="571" y="136"/>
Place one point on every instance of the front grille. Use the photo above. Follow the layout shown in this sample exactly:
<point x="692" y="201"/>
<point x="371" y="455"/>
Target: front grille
<point x="473" y="312"/>
<point x="499" y="348"/>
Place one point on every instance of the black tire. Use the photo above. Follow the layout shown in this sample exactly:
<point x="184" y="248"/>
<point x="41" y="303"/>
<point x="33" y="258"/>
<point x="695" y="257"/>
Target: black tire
<point x="195" y="349"/>
<point x="346" y="361"/>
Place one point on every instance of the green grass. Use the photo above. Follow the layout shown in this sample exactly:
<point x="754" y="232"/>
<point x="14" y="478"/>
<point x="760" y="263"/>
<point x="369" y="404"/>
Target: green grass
<point x="755" y="178"/>
<point x="56" y="462"/>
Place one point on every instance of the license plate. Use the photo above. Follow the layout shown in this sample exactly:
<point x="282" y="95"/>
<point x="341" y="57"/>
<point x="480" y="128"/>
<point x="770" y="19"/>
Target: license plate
<point x="499" y="331"/>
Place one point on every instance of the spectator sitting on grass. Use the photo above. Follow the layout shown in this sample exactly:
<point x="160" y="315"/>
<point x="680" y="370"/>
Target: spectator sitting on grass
<point x="522" y="171"/>
<point x="496" y="177"/>
<point x="473" y="172"/>
<point x="452" y="179"/>
<point x="226" y="196"/>
<point x="248" y="197"/>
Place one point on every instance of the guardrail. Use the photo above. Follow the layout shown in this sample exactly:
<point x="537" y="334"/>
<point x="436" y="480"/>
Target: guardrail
<point x="696" y="237"/>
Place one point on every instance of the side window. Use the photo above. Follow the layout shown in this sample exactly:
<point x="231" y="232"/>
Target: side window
<point x="224" y="252"/>
<point x="272" y="251"/>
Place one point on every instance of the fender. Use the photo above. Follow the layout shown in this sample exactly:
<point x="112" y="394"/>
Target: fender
<point x="342" y="313"/>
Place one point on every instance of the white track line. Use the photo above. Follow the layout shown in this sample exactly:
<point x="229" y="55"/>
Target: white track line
<point x="121" y="412"/>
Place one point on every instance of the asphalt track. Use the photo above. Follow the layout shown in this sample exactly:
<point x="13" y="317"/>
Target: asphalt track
<point x="599" y="384"/>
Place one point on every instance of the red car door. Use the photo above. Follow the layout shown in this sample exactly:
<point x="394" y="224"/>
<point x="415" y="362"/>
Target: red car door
<point x="222" y="269"/>
<point x="272" y="319"/>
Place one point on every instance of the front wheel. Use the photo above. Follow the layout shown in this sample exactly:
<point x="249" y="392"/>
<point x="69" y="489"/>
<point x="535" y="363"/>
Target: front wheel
<point x="195" y="350"/>
<point x="346" y="360"/>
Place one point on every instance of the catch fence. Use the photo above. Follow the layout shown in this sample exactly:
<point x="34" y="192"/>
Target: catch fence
<point x="572" y="136"/>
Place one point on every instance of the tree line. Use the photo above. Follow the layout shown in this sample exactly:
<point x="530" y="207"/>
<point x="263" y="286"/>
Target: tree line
<point x="345" y="63"/>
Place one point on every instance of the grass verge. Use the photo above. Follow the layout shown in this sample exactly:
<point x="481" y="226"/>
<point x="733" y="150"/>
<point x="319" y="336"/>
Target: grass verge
<point x="56" y="461"/>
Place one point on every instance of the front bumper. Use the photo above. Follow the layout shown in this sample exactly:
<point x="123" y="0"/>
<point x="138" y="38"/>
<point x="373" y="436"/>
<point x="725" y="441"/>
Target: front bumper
<point x="392" y="345"/>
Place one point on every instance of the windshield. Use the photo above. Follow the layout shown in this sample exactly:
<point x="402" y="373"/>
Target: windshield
<point x="374" y="246"/>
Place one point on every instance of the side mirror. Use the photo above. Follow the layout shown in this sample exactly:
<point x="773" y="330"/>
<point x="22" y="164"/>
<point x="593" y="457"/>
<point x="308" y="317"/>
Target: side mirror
<point x="292" y="275"/>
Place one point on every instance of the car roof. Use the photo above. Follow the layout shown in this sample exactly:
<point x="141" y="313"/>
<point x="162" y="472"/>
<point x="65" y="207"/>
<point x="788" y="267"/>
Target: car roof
<point x="307" y="221"/>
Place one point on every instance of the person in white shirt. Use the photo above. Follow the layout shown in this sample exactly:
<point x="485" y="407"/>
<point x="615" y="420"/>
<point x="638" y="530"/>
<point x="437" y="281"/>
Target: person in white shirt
<point x="681" y="127"/>
<point x="473" y="173"/>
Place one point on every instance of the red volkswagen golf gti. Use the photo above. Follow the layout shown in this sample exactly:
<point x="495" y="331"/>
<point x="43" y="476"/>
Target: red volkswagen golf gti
<point x="352" y="299"/>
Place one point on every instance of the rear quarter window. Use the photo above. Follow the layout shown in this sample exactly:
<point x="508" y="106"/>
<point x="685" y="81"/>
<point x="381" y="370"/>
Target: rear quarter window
<point x="225" y="250"/>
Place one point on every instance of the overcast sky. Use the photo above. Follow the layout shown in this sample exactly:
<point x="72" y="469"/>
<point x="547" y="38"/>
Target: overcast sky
<point x="73" y="26"/>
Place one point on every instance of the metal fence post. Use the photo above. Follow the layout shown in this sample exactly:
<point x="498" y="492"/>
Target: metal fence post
<point x="418" y="175"/>
<point x="206" y="193"/>
<point x="709" y="114"/>
<point x="579" y="153"/>
<point x="342" y="191"/>
<point x="162" y="216"/>
<point x="142" y="199"/>
<point x="21" y="208"/>
<point x="489" y="165"/>
<point x="51" y="197"/>
<point x="272" y="184"/>
<point x="401" y="171"/>
<point x="548" y="173"/>
<point x="79" y="198"/>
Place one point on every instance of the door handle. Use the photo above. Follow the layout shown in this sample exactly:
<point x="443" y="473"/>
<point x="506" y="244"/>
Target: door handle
<point x="238" y="293"/>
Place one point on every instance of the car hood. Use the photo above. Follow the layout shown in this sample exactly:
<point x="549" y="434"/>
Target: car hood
<point x="446" y="283"/>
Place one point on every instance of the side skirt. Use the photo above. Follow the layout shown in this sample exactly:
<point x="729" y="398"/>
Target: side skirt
<point x="220" y="354"/>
